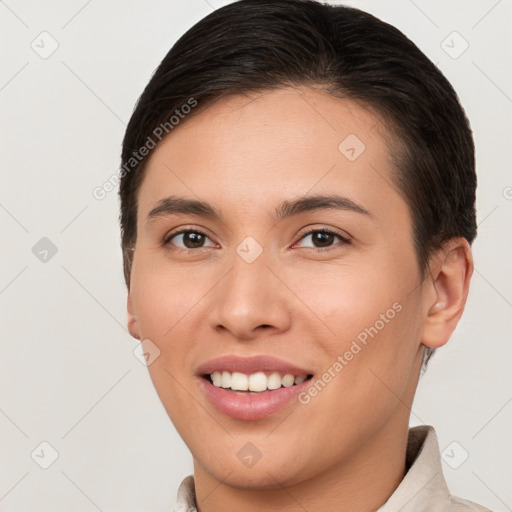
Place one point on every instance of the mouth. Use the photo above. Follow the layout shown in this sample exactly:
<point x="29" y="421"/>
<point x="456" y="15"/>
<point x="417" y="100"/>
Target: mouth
<point x="254" y="383"/>
<point x="252" y="388"/>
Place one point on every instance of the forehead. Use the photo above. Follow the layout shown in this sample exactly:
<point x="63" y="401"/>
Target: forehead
<point x="259" y="148"/>
<point x="284" y="122"/>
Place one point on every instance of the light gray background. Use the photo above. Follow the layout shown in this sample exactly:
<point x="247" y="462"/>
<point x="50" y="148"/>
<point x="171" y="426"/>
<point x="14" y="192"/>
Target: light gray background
<point x="68" y="375"/>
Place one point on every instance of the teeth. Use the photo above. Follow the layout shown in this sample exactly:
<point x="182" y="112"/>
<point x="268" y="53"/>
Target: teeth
<point x="226" y="380"/>
<point x="274" y="381"/>
<point x="256" y="382"/>
<point x="239" y="381"/>
<point x="288" y="380"/>
<point x="217" y="379"/>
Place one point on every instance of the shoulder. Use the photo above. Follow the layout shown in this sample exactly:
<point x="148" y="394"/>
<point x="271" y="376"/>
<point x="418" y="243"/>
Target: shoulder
<point x="459" y="505"/>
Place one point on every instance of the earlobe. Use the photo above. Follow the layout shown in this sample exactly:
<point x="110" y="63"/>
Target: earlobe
<point x="450" y="277"/>
<point x="133" y="327"/>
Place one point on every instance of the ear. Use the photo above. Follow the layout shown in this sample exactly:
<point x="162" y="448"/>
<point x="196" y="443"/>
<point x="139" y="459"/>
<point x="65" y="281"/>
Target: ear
<point x="133" y="327"/>
<point x="450" y="273"/>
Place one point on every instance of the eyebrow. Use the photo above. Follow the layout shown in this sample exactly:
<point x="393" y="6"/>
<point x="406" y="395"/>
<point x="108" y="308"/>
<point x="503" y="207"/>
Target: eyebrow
<point x="181" y="205"/>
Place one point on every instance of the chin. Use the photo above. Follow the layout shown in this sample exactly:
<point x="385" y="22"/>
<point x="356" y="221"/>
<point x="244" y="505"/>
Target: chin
<point x="234" y="466"/>
<point x="259" y="477"/>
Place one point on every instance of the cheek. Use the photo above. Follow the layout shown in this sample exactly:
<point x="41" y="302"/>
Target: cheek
<point x="347" y="299"/>
<point x="163" y="300"/>
<point x="374" y="353"/>
<point x="164" y="297"/>
<point x="369" y="319"/>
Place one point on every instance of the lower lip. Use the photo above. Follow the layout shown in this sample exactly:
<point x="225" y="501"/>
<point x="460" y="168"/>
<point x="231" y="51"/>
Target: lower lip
<point x="251" y="406"/>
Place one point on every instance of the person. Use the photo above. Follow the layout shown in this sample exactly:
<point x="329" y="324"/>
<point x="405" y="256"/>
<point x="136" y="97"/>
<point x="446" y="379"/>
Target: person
<point x="297" y="212"/>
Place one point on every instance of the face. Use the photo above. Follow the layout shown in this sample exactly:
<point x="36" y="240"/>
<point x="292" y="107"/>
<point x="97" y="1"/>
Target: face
<point x="300" y="265"/>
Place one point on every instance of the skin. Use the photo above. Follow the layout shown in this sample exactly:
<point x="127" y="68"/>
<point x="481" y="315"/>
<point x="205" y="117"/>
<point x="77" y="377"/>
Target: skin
<point x="296" y="301"/>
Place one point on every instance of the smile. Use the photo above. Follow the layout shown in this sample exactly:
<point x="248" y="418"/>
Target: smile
<point x="251" y="388"/>
<point x="255" y="382"/>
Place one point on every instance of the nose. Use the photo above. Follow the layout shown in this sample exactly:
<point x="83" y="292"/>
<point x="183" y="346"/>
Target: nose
<point x="250" y="300"/>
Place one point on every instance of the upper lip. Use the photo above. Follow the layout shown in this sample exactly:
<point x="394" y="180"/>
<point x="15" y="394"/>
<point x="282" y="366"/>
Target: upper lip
<point x="249" y="365"/>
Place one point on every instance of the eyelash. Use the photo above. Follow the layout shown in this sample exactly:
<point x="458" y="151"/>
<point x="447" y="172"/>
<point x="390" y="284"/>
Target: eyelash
<point x="168" y="239"/>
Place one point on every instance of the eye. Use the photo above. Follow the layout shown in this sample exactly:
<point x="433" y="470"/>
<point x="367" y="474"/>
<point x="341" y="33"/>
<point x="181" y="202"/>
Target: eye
<point x="324" y="238"/>
<point x="189" y="238"/>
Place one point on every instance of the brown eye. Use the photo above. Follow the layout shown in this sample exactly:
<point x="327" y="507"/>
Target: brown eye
<point x="324" y="238"/>
<point x="188" y="238"/>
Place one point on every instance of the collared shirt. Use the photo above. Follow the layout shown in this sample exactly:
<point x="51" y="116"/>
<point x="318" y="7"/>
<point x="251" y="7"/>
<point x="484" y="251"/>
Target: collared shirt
<point x="423" y="489"/>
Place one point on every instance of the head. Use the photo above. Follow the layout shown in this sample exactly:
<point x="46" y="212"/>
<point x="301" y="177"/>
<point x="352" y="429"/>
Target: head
<point x="261" y="110"/>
